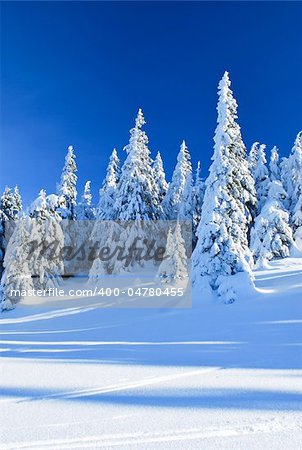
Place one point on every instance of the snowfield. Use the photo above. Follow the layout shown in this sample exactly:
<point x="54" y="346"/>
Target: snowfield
<point x="212" y="377"/>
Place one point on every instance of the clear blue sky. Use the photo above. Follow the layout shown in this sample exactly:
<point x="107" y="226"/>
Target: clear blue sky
<point x="76" y="73"/>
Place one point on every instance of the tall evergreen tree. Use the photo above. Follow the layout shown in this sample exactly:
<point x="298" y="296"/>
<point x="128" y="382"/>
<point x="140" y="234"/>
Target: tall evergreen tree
<point x="294" y="170"/>
<point x="18" y="199"/>
<point x="10" y="203"/>
<point x="10" y="208"/>
<point x="135" y="192"/>
<point x="104" y="232"/>
<point x="87" y="196"/>
<point x="85" y="210"/>
<point x="253" y="156"/>
<point x="295" y="186"/>
<point x="105" y="210"/>
<point x="198" y="196"/>
<point x="45" y="229"/>
<point x="274" y="165"/>
<point x="271" y="236"/>
<point x="38" y="208"/>
<point x="185" y="212"/>
<point x="2" y="240"/>
<point x="17" y="274"/>
<point x="67" y="188"/>
<point x="261" y="174"/>
<point x="160" y="177"/>
<point x="222" y="247"/>
<point x="33" y="257"/>
<point x="174" y="196"/>
<point x="174" y="267"/>
<point x="296" y="221"/>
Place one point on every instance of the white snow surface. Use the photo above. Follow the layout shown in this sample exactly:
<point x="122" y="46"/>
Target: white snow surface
<point x="212" y="377"/>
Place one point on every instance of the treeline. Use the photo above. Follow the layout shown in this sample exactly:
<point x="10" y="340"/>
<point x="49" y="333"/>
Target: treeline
<point x="247" y="212"/>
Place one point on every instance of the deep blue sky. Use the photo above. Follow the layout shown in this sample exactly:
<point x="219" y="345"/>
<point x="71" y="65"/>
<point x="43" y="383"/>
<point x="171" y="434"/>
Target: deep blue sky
<point x="76" y="73"/>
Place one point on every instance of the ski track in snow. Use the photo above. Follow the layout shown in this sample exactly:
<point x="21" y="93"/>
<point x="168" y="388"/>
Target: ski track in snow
<point x="134" y="439"/>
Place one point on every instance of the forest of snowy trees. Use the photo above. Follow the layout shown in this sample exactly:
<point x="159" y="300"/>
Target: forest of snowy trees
<point x="247" y="212"/>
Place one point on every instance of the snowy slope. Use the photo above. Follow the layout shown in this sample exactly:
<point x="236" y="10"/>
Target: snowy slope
<point x="214" y="376"/>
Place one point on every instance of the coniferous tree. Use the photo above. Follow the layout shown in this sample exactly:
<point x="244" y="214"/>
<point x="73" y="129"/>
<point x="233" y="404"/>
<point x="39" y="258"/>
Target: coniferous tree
<point x="295" y="186"/>
<point x="222" y="247"/>
<point x="294" y="170"/>
<point x="136" y="200"/>
<point x="67" y="188"/>
<point x="271" y="236"/>
<point x="297" y="222"/>
<point x="198" y="195"/>
<point x="10" y="208"/>
<point x="174" y="196"/>
<point x="2" y="240"/>
<point x="103" y="232"/>
<point x="160" y="177"/>
<point x="261" y="175"/>
<point x="17" y="274"/>
<point x="10" y="203"/>
<point x="252" y="156"/>
<point x="18" y="199"/>
<point x="106" y="210"/>
<point x="135" y="191"/>
<point x="174" y="267"/>
<point x="185" y="212"/>
<point x="85" y="210"/>
<point x="33" y="257"/>
<point x="53" y="205"/>
<point x="46" y="267"/>
<point x="274" y="165"/>
<point x="87" y="196"/>
<point x="78" y="232"/>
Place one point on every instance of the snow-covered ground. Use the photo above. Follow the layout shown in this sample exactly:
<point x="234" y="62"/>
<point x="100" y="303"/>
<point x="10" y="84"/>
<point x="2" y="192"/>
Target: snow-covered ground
<point x="211" y="377"/>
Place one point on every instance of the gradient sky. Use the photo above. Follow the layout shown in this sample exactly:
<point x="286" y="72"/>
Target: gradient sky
<point x="76" y="73"/>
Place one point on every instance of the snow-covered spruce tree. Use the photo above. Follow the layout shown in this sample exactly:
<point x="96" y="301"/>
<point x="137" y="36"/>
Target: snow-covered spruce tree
<point x="295" y="166"/>
<point x="77" y="233"/>
<point x="185" y="212"/>
<point x="174" y="196"/>
<point x="261" y="175"/>
<point x="10" y="208"/>
<point x="222" y="248"/>
<point x="18" y="199"/>
<point x="87" y="196"/>
<point x="119" y="235"/>
<point x="17" y="274"/>
<point x="10" y="203"/>
<point x="135" y="191"/>
<point x="137" y="198"/>
<point x="53" y="205"/>
<point x="174" y="267"/>
<point x="45" y="266"/>
<point x="252" y="156"/>
<point x="2" y="240"/>
<point x="160" y="177"/>
<point x="104" y="228"/>
<point x="67" y="189"/>
<point x="33" y="257"/>
<point x="296" y="221"/>
<point x="271" y="236"/>
<point x="294" y="170"/>
<point x="198" y="195"/>
<point x="274" y="165"/>
<point x="105" y="209"/>
<point x="102" y="231"/>
<point x="85" y="209"/>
